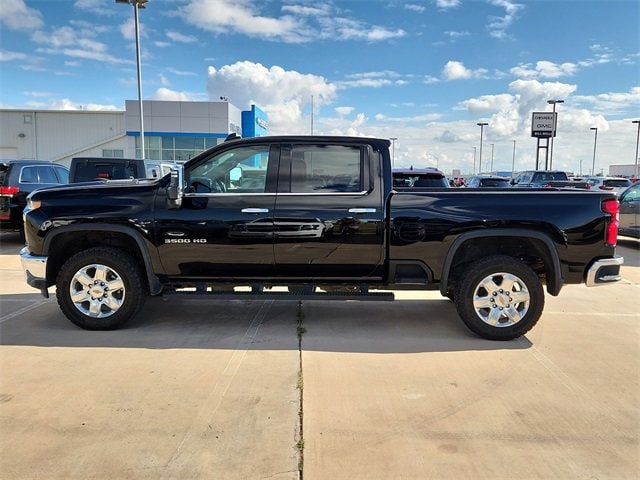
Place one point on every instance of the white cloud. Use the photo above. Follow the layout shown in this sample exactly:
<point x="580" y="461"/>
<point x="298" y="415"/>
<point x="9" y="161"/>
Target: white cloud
<point x="445" y="4"/>
<point x="613" y="102"/>
<point x="415" y="7"/>
<point x="181" y="38"/>
<point x="7" y="56"/>
<point x="298" y="24"/>
<point x="282" y="94"/>
<point x="172" y="95"/>
<point x="428" y="117"/>
<point x="498" y="25"/>
<point x="94" y="6"/>
<point x="344" y="111"/>
<point x="66" y="104"/>
<point x="372" y="80"/>
<point x="69" y="42"/>
<point x="182" y="73"/>
<point x="544" y="69"/>
<point x="454" y="34"/>
<point x="455" y="70"/>
<point x="15" y="15"/>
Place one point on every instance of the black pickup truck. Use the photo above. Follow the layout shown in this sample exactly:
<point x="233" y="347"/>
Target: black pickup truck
<point x="313" y="218"/>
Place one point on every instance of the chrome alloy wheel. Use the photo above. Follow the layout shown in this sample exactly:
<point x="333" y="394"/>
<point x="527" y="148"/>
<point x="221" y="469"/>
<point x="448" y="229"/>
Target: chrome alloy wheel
<point x="97" y="291"/>
<point x="501" y="299"/>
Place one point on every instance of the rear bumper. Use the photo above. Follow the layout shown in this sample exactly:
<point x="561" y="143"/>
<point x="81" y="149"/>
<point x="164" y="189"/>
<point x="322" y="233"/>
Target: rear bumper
<point x="35" y="270"/>
<point x="604" y="271"/>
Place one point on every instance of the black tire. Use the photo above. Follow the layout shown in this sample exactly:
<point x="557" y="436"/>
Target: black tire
<point x="499" y="298"/>
<point x="100" y="288"/>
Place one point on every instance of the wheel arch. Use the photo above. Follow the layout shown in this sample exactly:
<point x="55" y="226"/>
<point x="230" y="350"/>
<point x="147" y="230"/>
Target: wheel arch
<point x="537" y="249"/>
<point x="63" y="242"/>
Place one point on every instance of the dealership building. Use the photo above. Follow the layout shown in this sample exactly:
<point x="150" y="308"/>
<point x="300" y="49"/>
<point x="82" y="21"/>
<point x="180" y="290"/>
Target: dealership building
<point x="173" y="131"/>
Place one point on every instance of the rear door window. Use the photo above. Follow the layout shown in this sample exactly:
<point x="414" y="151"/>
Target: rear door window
<point x="326" y="169"/>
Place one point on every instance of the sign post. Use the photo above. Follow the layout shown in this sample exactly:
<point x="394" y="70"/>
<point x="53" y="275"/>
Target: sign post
<point x="543" y="125"/>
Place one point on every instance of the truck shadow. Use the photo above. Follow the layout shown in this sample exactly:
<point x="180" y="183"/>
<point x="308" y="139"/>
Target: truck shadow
<point x="404" y="326"/>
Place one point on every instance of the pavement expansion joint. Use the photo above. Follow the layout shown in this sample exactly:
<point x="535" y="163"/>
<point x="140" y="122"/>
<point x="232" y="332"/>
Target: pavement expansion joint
<point x="300" y="386"/>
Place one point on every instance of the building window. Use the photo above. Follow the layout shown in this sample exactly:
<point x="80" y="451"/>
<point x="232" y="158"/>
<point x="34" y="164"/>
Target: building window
<point x="112" y="153"/>
<point x="171" y="148"/>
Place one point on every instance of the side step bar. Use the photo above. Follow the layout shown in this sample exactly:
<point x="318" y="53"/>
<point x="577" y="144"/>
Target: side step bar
<point x="259" y="292"/>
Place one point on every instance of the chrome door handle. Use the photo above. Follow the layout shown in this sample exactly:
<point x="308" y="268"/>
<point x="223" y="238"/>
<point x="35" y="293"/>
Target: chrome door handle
<point x="255" y="210"/>
<point x="362" y="210"/>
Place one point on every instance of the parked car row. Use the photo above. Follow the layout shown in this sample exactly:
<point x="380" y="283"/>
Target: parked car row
<point x="18" y="178"/>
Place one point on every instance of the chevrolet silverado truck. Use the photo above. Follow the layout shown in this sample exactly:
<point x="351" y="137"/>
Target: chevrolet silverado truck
<point x="312" y="217"/>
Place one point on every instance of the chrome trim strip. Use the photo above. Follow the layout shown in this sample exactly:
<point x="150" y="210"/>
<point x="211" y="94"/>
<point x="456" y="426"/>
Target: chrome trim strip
<point x="244" y="194"/>
<point x="255" y="210"/>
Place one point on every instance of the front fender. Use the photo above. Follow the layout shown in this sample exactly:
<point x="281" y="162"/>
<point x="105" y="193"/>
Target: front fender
<point x="147" y="252"/>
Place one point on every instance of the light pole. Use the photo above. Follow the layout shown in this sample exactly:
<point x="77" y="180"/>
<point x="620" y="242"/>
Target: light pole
<point x="474" y="159"/>
<point x="595" y="142"/>
<point x="553" y="102"/>
<point x="393" y="151"/>
<point x="637" y="142"/>
<point x="481" y="125"/>
<point x="491" y="169"/>
<point x="513" y="162"/>
<point x="136" y="5"/>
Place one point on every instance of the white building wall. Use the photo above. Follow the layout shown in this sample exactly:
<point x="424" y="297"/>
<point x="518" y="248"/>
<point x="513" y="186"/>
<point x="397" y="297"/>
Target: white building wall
<point x="59" y="135"/>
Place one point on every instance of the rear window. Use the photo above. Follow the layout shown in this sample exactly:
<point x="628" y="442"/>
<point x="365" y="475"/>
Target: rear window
<point x="420" y="181"/>
<point x="86" y="172"/>
<point x="38" y="174"/>
<point x="618" y="183"/>
<point x="550" y="177"/>
<point x="494" y="182"/>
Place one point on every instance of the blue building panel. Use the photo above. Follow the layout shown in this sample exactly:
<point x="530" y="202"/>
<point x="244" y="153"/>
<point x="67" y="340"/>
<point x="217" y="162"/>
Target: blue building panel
<point x="254" y="123"/>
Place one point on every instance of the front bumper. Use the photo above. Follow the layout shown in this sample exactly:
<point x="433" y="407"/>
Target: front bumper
<point x="35" y="270"/>
<point x="604" y="271"/>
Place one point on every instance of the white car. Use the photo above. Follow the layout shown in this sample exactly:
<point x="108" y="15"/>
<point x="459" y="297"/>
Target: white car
<point x="612" y="184"/>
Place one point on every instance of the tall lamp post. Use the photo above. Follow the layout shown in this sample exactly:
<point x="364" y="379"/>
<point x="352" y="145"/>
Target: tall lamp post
<point x="595" y="142"/>
<point x="637" y="143"/>
<point x="474" y="159"/>
<point x="553" y="102"/>
<point x="491" y="169"/>
<point x="393" y="151"/>
<point x="137" y="4"/>
<point x="481" y="125"/>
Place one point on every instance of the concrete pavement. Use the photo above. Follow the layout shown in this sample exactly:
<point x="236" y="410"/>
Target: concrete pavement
<point x="204" y="389"/>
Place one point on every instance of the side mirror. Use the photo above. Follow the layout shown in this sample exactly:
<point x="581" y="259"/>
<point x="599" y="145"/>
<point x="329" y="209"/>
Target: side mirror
<point x="175" y="189"/>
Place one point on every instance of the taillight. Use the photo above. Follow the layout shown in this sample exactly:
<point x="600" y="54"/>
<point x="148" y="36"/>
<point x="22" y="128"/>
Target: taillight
<point x="9" y="190"/>
<point x="612" y="207"/>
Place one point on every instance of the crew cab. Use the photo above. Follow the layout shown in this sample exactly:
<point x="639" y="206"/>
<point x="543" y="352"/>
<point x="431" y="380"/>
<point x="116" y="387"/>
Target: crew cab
<point x="319" y="217"/>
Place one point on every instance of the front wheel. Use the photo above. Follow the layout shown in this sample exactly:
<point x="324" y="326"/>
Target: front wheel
<point x="100" y="288"/>
<point x="499" y="298"/>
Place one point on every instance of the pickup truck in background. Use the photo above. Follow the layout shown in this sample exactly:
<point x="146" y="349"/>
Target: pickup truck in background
<point x="547" y="179"/>
<point x="319" y="217"/>
<point x="88" y="169"/>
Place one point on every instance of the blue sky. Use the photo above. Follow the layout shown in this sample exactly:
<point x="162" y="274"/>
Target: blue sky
<point x="422" y="71"/>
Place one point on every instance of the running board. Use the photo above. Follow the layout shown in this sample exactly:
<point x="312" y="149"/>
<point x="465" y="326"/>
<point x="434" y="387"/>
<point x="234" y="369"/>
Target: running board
<point x="260" y="293"/>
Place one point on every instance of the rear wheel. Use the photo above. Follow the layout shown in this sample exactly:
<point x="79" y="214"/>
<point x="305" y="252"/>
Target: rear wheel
<point x="100" y="288"/>
<point x="499" y="298"/>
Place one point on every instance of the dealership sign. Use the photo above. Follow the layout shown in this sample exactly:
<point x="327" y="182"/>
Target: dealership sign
<point x="543" y="124"/>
